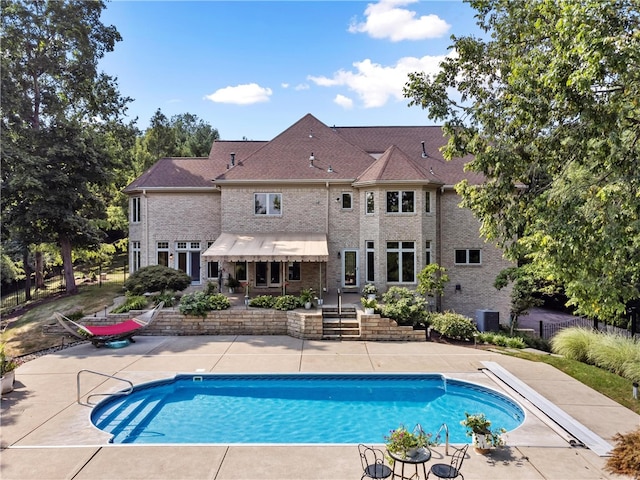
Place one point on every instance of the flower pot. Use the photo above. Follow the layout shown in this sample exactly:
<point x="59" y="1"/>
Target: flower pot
<point x="412" y="452"/>
<point x="7" y="381"/>
<point x="371" y="296"/>
<point x="369" y="311"/>
<point x="307" y="305"/>
<point x="481" y="443"/>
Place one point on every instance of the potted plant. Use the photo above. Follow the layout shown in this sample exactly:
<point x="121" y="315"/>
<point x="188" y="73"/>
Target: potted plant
<point x="306" y="296"/>
<point x="404" y="443"/>
<point x="7" y="369"/>
<point x="232" y="284"/>
<point x="369" y="305"/>
<point x="483" y="436"/>
<point x="370" y="291"/>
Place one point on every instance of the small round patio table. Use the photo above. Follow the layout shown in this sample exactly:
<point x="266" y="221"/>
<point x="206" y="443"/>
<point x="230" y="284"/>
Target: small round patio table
<point x="421" y="457"/>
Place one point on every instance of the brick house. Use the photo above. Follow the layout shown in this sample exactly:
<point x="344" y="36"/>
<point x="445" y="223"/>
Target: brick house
<point x="320" y="207"/>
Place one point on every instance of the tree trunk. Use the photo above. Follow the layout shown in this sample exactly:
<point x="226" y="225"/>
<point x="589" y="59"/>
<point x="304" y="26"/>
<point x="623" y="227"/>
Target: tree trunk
<point x="67" y="265"/>
<point x="39" y="270"/>
<point x="27" y="274"/>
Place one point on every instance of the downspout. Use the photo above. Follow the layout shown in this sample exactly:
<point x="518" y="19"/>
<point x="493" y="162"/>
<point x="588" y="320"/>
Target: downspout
<point x="146" y="226"/>
<point x="439" y="194"/>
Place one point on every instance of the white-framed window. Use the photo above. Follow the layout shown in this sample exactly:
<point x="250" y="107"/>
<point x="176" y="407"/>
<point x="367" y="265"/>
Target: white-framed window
<point x="427" y="252"/>
<point x="136" y="209"/>
<point x="468" y="256"/>
<point x="399" y="201"/>
<point x="346" y="200"/>
<point x="370" y="261"/>
<point x="427" y="201"/>
<point x="162" y="254"/>
<point x="136" y="256"/>
<point x="293" y="271"/>
<point x="401" y="262"/>
<point x="267" y="203"/>
<point x="369" y="202"/>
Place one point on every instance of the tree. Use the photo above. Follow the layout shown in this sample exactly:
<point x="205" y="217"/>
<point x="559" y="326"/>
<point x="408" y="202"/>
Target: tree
<point x="58" y="112"/>
<point x="548" y="104"/>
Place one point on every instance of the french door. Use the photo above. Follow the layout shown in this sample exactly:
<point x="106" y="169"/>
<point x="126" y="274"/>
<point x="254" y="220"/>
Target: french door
<point x="268" y="274"/>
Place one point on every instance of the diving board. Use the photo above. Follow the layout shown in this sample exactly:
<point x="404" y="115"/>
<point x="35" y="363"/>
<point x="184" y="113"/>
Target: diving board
<point x="590" y="439"/>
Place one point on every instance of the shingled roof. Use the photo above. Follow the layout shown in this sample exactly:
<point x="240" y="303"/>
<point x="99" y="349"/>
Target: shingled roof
<point x="310" y="151"/>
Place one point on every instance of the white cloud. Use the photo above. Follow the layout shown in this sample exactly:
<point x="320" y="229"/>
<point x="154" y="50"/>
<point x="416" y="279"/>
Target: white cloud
<point x="284" y="85"/>
<point x="302" y="86"/>
<point x="344" y="102"/>
<point x="375" y="83"/>
<point x="385" y="20"/>
<point x="246" y="94"/>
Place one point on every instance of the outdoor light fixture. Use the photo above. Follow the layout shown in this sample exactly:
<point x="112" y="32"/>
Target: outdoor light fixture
<point x="458" y="288"/>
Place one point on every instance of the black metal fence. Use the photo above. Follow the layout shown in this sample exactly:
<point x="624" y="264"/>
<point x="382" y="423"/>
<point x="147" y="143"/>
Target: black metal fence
<point x="548" y="329"/>
<point x="16" y="293"/>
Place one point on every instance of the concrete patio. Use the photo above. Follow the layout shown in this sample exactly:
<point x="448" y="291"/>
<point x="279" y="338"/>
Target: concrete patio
<point x="47" y="435"/>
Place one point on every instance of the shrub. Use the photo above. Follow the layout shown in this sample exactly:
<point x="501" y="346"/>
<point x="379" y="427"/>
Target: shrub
<point x="156" y="278"/>
<point x="405" y="306"/>
<point x="625" y="456"/>
<point x="612" y="352"/>
<point x="453" y="325"/>
<point x="574" y="343"/>
<point x="263" y="301"/>
<point x="133" y="302"/>
<point x="169" y="298"/>
<point x="211" y="288"/>
<point x="218" y="301"/>
<point x="286" y="302"/>
<point x="516" y="342"/>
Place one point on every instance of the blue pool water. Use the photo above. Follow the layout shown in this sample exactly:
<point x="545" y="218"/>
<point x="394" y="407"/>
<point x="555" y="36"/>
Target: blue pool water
<point x="297" y="408"/>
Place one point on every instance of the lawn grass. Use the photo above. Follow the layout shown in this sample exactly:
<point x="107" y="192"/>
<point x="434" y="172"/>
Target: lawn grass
<point x="25" y="335"/>
<point x="614" y="386"/>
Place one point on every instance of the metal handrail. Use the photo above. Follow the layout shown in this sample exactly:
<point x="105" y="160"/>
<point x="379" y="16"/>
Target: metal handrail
<point x="88" y="403"/>
<point x="446" y="437"/>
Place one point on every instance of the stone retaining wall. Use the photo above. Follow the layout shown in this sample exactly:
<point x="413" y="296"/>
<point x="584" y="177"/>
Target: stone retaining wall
<point x="258" y="321"/>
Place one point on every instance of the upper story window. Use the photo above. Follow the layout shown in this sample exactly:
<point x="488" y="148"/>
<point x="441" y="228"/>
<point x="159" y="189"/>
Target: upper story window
<point x="267" y="203"/>
<point x="468" y="257"/>
<point x="370" y="206"/>
<point x="400" y="201"/>
<point x="346" y="200"/>
<point x="427" y="201"/>
<point x="136" y="210"/>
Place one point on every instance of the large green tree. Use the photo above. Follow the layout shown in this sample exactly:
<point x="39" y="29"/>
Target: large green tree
<point x="60" y="118"/>
<point x="547" y="101"/>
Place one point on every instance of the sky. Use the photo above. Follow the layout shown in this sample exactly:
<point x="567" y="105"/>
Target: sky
<point x="253" y="68"/>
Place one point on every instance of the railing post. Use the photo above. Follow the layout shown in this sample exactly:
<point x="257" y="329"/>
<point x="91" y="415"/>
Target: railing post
<point x="541" y="327"/>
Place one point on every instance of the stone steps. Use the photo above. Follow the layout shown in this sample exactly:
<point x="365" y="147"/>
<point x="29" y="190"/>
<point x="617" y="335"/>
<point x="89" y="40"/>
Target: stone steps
<point x="340" y="323"/>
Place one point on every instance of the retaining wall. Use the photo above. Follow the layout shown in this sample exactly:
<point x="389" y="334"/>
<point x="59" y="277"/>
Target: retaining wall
<point x="259" y="321"/>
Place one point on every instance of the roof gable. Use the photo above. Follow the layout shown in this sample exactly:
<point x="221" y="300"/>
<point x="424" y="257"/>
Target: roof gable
<point x="308" y="150"/>
<point x="396" y="166"/>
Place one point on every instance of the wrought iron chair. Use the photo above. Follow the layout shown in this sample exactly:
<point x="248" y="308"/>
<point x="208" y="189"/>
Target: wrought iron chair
<point x="452" y="469"/>
<point x="373" y="465"/>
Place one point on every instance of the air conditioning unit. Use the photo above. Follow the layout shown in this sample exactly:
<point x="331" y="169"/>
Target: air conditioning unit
<point x="488" y="320"/>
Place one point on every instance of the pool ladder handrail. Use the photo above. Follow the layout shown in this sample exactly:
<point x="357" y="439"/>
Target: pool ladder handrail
<point x="446" y="437"/>
<point x="88" y="403"/>
<point x="419" y="429"/>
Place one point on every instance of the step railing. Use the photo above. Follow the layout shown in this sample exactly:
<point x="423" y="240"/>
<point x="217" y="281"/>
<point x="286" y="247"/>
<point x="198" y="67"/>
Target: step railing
<point x="88" y="402"/>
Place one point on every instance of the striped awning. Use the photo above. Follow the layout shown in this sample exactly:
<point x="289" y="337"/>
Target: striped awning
<point x="269" y="247"/>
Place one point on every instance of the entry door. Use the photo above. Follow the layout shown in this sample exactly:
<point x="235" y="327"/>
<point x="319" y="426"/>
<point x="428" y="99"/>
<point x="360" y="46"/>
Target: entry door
<point x="189" y="262"/>
<point x="268" y="274"/>
<point x="350" y="268"/>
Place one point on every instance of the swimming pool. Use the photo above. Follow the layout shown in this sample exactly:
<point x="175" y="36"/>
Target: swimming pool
<point x="297" y="408"/>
